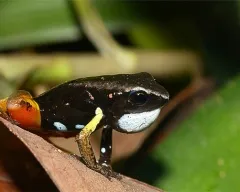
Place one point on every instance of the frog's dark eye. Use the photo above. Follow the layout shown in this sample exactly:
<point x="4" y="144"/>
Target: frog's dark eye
<point x="138" y="97"/>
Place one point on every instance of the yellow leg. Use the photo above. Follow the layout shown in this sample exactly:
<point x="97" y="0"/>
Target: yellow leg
<point x="86" y="150"/>
<point x="83" y="141"/>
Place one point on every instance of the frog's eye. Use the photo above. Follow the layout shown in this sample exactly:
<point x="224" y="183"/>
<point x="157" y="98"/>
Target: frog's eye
<point x="138" y="97"/>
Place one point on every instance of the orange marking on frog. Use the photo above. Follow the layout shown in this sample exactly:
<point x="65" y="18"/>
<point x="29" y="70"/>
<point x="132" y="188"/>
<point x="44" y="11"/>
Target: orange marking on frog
<point x="22" y="108"/>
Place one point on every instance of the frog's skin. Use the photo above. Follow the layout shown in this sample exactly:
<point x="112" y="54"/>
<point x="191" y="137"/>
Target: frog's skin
<point x="128" y="103"/>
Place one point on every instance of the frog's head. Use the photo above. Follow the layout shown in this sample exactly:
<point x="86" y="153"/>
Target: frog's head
<point x="139" y="102"/>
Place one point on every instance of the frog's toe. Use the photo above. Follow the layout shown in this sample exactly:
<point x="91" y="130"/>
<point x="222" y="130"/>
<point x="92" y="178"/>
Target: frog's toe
<point x="108" y="172"/>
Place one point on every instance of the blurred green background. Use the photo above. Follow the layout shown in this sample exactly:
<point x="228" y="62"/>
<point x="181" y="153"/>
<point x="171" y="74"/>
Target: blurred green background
<point x="202" y="151"/>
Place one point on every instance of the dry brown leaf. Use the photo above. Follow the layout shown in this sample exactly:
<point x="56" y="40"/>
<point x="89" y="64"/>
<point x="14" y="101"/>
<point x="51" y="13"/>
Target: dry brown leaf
<point x="68" y="173"/>
<point x="19" y="170"/>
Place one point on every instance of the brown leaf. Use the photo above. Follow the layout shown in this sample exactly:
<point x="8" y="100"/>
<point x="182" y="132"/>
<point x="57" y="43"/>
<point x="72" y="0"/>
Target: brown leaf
<point x="68" y="173"/>
<point x="19" y="170"/>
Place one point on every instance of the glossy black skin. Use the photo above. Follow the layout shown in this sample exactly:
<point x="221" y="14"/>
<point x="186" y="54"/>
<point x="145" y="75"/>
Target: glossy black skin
<point x="75" y="102"/>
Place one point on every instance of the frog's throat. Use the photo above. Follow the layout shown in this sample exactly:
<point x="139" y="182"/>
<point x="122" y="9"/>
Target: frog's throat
<point x="136" y="122"/>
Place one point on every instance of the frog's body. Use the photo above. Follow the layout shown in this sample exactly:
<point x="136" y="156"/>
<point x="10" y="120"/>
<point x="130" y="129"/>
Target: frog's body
<point x="124" y="102"/>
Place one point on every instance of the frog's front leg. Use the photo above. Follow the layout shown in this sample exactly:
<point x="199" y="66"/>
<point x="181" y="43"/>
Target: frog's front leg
<point x="106" y="152"/>
<point x="106" y="147"/>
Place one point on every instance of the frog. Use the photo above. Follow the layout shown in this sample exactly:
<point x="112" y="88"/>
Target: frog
<point x="127" y="103"/>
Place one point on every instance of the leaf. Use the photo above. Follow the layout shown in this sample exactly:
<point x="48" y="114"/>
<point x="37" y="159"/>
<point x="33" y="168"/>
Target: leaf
<point x="203" y="153"/>
<point x="26" y="22"/>
<point x="23" y="22"/>
<point x="19" y="170"/>
<point x="68" y="173"/>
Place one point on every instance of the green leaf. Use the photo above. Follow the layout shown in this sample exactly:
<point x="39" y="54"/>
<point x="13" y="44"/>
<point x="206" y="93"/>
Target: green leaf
<point x="203" y="153"/>
<point x="33" y="22"/>
<point x="24" y="21"/>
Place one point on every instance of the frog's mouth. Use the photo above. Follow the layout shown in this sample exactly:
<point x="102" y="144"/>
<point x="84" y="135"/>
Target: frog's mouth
<point x="136" y="122"/>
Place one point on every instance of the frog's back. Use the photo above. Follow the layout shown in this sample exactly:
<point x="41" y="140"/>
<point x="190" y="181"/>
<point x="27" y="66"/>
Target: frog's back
<point x="66" y="108"/>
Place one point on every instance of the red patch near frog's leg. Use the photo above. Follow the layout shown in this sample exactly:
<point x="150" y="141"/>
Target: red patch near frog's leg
<point x="22" y="108"/>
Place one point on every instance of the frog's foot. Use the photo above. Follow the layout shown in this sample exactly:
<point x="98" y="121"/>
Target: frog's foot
<point x="107" y="172"/>
<point x="4" y="115"/>
<point x="76" y="157"/>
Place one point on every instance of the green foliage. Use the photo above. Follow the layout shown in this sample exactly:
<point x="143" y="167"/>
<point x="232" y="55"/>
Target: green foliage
<point x="25" y="22"/>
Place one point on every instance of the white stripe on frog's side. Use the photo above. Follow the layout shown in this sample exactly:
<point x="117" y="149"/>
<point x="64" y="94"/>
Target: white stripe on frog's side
<point x="60" y="126"/>
<point x="136" y="122"/>
<point x="78" y="126"/>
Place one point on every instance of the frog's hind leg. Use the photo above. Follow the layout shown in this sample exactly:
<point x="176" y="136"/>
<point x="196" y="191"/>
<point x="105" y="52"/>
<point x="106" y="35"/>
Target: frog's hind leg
<point x="3" y="111"/>
<point x="3" y="108"/>
<point x="24" y="110"/>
